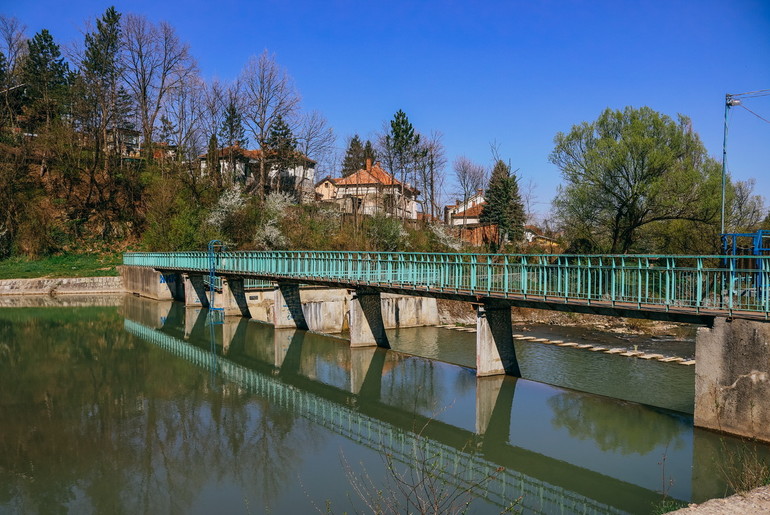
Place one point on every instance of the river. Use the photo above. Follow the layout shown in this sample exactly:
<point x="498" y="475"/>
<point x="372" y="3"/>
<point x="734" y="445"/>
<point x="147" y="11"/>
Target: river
<point x="146" y="407"/>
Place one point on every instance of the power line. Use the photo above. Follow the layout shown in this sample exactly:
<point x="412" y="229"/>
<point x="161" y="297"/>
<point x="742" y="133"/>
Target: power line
<point x="750" y="94"/>
<point x="755" y="114"/>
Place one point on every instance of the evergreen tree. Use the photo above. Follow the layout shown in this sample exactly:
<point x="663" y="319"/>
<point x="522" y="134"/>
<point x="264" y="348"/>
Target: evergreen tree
<point x="369" y="152"/>
<point x="281" y="153"/>
<point x="212" y="162"/>
<point x="167" y="130"/>
<point x="232" y="132"/>
<point x="45" y="74"/>
<point x="504" y="206"/>
<point x="354" y="157"/>
<point x="402" y="149"/>
<point x="105" y="103"/>
<point x="281" y="144"/>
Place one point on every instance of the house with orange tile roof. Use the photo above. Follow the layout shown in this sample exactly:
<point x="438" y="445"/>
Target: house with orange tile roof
<point x="370" y="190"/>
<point x="465" y="213"/>
<point x="240" y="165"/>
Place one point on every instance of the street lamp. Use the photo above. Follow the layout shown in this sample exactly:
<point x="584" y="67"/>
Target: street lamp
<point x="730" y="101"/>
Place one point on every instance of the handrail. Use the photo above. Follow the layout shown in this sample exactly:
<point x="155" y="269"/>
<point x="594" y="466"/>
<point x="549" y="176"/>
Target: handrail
<point x="713" y="284"/>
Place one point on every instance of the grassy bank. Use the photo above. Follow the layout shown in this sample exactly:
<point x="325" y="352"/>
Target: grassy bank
<point x="65" y="265"/>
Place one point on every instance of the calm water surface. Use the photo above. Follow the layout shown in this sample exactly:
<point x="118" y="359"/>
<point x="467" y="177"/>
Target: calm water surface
<point x="147" y="407"/>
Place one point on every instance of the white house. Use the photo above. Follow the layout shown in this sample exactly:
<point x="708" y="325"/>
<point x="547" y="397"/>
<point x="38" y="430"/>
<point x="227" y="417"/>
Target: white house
<point x="238" y="164"/>
<point x="369" y="191"/>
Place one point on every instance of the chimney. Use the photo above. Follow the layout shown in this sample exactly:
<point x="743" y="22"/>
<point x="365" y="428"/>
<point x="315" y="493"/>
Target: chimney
<point x="479" y="192"/>
<point x="368" y="163"/>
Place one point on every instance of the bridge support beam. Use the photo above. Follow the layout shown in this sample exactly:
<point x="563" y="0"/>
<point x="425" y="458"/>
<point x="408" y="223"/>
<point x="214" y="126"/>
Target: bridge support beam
<point x="366" y="326"/>
<point x="234" y="297"/>
<point x="732" y="378"/>
<point x="495" y="353"/>
<point x="287" y="307"/>
<point x="195" y="293"/>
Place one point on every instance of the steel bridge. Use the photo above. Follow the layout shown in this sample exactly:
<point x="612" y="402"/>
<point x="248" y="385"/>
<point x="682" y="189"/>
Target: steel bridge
<point x="459" y="467"/>
<point x="681" y="288"/>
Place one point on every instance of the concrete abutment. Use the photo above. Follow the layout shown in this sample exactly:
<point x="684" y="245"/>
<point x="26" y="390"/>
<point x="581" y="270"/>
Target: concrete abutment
<point x="732" y="378"/>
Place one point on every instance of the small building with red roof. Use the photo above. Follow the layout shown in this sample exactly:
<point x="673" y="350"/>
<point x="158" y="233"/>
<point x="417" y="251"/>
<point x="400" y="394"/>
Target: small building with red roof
<point x="370" y="190"/>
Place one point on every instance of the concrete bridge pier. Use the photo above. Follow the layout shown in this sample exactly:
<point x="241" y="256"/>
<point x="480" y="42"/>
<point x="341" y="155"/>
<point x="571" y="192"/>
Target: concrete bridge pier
<point x="234" y="297"/>
<point x="495" y="353"/>
<point x="366" y="325"/>
<point x="195" y="293"/>
<point x="732" y="378"/>
<point x="287" y="307"/>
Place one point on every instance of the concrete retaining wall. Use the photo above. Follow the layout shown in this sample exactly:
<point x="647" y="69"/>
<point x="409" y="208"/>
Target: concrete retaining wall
<point x="732" y="378"/>
<point x="150" y="283"/>
<point x="64" y="286"/>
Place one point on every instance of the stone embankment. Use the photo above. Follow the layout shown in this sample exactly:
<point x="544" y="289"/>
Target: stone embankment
<point x="61" y="286"/>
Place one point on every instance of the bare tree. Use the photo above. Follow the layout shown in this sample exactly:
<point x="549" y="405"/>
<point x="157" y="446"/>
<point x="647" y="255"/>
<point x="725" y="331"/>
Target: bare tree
<point x="268" y="94"/>
<point x="746" y="209"/>
<point x="430" y="172"/>
<point x="12" y="45"/>
<point x="214" y="101"/>
<point x="185" y="108"/>
<point x="316" y="140"/>
<point x="156" y="62"/>
<point x="470" y="178"/>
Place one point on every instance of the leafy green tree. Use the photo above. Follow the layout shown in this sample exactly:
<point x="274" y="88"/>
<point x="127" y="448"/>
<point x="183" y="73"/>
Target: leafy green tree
<point x="504" y="206"/>
<point x="630" y="171"/>
<point x="45" y="74"/>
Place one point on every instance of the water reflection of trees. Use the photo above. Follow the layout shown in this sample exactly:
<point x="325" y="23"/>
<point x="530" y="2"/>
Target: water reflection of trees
<point x="615" y="425"/>
<point x="94" y="420"/>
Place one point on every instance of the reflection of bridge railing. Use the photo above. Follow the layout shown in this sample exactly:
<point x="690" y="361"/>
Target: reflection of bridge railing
<point x="712" y="285"/>
<point x="405" y="446"/>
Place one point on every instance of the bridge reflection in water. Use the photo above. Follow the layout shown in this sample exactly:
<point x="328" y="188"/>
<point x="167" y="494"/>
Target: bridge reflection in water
<point x="563" y="451"/>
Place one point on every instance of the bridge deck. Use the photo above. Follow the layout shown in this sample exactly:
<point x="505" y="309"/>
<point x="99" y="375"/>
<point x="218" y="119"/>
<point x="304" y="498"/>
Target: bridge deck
<point x="687" y="288"/>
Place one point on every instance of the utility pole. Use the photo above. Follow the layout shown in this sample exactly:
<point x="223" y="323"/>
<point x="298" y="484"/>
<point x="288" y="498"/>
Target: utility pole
<point x="730" y="101"/>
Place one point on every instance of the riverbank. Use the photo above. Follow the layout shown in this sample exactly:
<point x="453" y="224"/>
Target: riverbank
<point x="756" y="502"/>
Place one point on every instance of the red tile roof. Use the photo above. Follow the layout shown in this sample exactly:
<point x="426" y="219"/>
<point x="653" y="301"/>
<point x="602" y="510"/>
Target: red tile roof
<point x="473" y="212"/>
<point x="374" y="175"/>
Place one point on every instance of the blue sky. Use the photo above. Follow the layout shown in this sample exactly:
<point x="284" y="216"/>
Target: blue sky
<point x="511" y="72"/>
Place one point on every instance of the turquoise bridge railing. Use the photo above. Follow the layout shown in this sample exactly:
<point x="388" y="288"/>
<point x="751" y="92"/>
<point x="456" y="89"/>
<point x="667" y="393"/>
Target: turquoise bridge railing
<point x="710" y="285"/>
<point x="457" y="466"/>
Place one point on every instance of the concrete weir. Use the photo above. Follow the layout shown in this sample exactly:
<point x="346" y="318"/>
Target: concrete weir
<point x="732" y="378"/>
